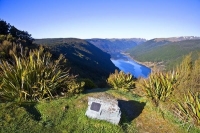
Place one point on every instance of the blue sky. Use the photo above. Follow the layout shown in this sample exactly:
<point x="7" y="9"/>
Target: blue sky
<point x="103" y="18"/>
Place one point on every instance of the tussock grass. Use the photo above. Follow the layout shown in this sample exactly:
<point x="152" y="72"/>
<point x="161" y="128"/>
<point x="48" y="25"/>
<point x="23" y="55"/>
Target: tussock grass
<point x="33" y="76"/>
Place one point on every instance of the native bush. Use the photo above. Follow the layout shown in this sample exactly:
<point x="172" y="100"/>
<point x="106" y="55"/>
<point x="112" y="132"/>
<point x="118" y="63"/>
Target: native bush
<point x="187" y="96"/>
<point x="89" y="84"/>
<point x="189" y="109"/>
<point x="33" y="77"/>
<point x="159" y="86"/>
<point x="75" y="87"/>
<point x="189" y="78"/>
<point x="121" y="81"/>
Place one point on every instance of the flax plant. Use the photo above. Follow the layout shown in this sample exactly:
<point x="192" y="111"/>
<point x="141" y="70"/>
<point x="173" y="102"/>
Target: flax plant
<point x="159" y="86"/>
<point x="33" y="77"/>
<point x="189" y="109"/>
<point x="121" y="81"/>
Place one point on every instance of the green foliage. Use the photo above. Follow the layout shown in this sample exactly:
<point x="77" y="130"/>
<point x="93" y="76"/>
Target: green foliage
<point x="33" y="77"/>
<point x="187" y="93"/>
<point x="189" y="78"/>
<point x="89" y="84"/>
<point x="189" y="109"/>
<point x="159" y="86"/>
<point x="121" y="81"/>
<point x="2" y="38"/>
<point x="4" y="27"/>
<point x="7" y="29"/>
<point x="75" y="87"/>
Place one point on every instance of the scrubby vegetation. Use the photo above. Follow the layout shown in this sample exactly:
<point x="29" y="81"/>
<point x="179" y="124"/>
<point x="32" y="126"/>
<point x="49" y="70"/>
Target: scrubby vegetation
<point x="189" y="109"/>
<point x="35" y="77"/>
<point x="30" y="73"/>
<point x="177" y="90"/>
<point x="89" y="84"/>
<point x="121" y="81"/>
<point x="159" y="86"/>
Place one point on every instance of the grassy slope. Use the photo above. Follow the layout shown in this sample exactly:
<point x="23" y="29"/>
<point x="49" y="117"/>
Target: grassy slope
<point x="170" y="53"/>
<point x="68" y="115"/>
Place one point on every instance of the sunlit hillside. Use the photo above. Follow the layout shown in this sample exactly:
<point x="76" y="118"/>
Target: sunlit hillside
<point x="170" y="53"/>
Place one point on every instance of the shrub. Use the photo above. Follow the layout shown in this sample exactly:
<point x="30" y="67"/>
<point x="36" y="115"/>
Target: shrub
<point x="75" y="87"/>
<point x="121" y="81"/>
<point x="189" y="78"/>
<point x="89" y="84"/>
<point x="33" y="77"/>
<point x="159" y="86"/>
<point x="189" y="109"/>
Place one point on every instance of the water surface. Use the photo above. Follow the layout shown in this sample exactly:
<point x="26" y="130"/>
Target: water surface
<point x="128" y="65"/>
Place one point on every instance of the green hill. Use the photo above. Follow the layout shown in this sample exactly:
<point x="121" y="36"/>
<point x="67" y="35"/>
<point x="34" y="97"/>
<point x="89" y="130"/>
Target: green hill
<point x="83" y="58"/>
<point x="168" y="52"/>
<point x="146" y="46"/>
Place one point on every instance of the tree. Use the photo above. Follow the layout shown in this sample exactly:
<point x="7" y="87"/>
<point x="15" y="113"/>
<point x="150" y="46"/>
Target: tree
<point x="22" y="35"/>
<point x="4" y="27"/>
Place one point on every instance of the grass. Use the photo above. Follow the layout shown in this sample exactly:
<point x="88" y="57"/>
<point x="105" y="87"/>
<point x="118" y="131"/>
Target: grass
<point x="67" y="115"/>
<point x="61" y="115"/>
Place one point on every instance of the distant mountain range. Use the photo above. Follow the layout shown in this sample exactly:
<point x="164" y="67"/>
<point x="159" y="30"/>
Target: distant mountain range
<point x="176" y="39"/>
<point x="116" y="45"/>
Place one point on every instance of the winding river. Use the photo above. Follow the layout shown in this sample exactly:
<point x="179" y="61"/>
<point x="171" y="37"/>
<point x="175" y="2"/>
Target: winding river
<point x="128" y="65"/>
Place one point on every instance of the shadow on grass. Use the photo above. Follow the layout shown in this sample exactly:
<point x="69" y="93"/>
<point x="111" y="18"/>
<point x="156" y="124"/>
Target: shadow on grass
<point x="130" y="110"/>
<point x="33" y="111"/>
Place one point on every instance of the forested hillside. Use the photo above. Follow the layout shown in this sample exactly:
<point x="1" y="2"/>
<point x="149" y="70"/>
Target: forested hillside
<point x="167" y="51"/>
<point x="84" y="58"/>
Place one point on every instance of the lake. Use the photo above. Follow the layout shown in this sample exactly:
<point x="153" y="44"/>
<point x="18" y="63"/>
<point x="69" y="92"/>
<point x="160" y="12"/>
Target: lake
<point x="128" y="65"/>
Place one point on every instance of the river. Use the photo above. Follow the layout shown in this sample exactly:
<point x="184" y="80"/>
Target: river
<point x="128" y="65"/>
